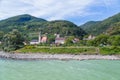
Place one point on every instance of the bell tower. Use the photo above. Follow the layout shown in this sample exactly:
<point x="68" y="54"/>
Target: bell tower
<point x="39" y="37"/>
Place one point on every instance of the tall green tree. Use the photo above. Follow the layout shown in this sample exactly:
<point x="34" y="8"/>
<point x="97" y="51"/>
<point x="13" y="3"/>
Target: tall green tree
<point x="114" y="40"/>
<point x="101" y="40"/>
<point x="12" y="41"/>
<point x="1" y="35"/>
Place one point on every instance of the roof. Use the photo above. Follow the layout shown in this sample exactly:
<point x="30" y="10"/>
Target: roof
<point x="34" y="40"/>
<point x="60" y="39"/>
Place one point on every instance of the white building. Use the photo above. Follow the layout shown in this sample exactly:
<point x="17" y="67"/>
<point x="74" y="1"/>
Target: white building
<point x="41" y="39"/>
<point x="59" y="40"/>
<point x="34" y="42"/>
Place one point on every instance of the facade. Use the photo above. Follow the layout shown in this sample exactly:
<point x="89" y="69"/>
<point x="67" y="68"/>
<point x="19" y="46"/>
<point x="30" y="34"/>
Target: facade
<point x="59" y="40"/>
<point x="34" y="42"/>
<point x="41" y="39"/>
<point x="44" y="39"/>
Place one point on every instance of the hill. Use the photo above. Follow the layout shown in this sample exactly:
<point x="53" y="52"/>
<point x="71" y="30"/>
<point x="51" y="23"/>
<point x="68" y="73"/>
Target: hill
<point x="31" y="25"/>
<point x="18" y="21"/>
<point x="98" y="27"/>
<point x="114" y="30"/>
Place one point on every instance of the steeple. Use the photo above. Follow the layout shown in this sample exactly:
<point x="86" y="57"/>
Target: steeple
<point x="39" y="40"/>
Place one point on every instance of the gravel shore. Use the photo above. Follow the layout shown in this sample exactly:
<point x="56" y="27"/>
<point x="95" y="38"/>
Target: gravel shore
<point x="40" y="56"/>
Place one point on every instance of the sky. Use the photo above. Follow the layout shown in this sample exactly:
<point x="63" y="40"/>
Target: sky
<point x="77" y="11"/>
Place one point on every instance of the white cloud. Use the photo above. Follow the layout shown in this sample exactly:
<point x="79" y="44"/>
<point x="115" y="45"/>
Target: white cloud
<point x="56" y="9"/>
<point x="52" y="9"/>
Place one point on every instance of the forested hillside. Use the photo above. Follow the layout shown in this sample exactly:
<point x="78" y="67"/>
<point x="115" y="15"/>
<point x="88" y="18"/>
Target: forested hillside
<point x="29" y="24"/>
<point x="99" y="27"/>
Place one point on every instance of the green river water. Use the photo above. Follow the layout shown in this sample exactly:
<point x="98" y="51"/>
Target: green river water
<point x="59" y="70"/>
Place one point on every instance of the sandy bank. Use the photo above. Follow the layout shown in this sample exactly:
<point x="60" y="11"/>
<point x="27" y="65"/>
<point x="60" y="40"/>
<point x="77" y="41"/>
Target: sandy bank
<point x="40" y="56"/>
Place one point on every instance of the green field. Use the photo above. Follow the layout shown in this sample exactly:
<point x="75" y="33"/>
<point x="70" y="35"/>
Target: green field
<point x="113" y="50"/>
<point x="58" y="50"/>
<point x="71" y="50"/>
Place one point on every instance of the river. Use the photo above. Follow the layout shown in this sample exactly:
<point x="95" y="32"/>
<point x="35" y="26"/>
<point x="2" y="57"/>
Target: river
<point x="59" y="70"/>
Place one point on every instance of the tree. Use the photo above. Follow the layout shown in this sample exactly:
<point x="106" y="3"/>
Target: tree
<point x="51" y="39"/>
<point x="101" y="40"/>
<point x="114" y="40"/>
<point x="69" y="40"/>
<point x="1" y="35"/>
<point x="12" y="41"/>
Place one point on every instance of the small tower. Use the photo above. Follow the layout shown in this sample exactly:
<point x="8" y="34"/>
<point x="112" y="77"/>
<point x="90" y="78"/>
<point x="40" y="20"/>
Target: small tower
<point x="58" y="36"/>
<point x="39" y="37"/>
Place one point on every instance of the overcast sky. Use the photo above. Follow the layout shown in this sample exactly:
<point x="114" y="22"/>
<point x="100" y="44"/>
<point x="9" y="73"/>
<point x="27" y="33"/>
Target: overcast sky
<point x="77" y="11"/>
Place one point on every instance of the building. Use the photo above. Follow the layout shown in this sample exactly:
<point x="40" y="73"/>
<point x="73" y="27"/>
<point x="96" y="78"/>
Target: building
<point x="41" y="39"/>
<point x="34" y="42"/>
<point x="90" y="37"/>
<point x="44" y="39"/>
<point x="75" y="40"/>
<point x="59" y="40"/>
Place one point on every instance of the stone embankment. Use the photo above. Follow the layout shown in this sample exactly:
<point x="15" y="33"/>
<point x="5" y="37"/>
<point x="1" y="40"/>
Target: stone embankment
<point x="41" y="56"/>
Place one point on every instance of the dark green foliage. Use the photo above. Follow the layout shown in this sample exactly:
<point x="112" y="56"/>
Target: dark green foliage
<point x="114" y="40"/>
<point x="1" y="35"/>
<point x="101" y="26"/>
<point x="28" y="24"/>
<point x="114" y="30"/>
<point x="12" y="41"/>
<point x="64" y="28"/>
<point x="110" y="50"/>
<point x="69" y="40"/>
<point x="18" y="22"/>
<point x="105" y="40"/>
<point x="101" y="40"/>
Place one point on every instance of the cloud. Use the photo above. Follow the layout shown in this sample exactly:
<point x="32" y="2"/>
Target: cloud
<point x="58" y="9"/>
<point x="52" y="9"/>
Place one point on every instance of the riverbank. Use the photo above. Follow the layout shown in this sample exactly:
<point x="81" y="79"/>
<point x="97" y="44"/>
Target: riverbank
<point x="40" y="56"/>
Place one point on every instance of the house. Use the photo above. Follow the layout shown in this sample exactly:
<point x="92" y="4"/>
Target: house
<point x="90" y="37"/>
<point x="44" y="39"/>
<point x="75" y="40"/>
<point x="59" y="40"/>
<point x="34" y="42"/>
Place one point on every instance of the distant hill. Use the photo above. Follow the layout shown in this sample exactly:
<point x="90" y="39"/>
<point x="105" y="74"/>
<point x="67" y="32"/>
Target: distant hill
<point x="30" y="24"/>
<point x="114" y="29"/>
<point x="98" y="27"/>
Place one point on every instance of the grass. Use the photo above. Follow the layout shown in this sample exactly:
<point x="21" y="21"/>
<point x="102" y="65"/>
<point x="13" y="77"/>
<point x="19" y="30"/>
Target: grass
<point x="58" y="50"/>
<point x="113" y="50"/>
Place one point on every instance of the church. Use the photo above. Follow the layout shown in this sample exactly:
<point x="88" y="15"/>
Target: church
<point x="41" y="39"/>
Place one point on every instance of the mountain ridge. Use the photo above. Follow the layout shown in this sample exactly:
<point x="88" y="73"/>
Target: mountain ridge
<point x="30" y="24"/>
<point x="99" y="27"/>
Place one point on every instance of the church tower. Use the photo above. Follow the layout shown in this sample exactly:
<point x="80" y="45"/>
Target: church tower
<point x="39" y="37"/>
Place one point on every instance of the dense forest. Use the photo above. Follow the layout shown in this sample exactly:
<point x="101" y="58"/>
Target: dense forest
<point x="31" y="25"/>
